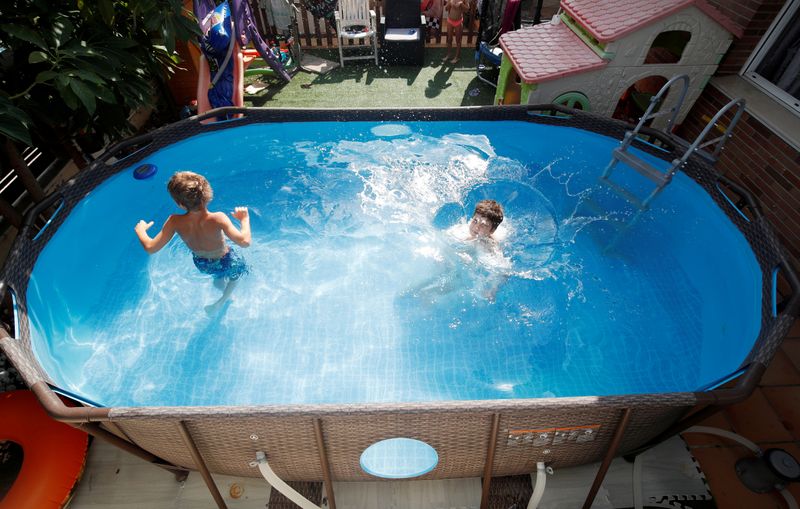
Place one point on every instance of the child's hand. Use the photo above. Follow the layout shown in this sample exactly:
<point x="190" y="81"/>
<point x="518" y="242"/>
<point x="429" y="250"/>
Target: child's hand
<point x="142" y="227"/>
<point x="240" y="213"/>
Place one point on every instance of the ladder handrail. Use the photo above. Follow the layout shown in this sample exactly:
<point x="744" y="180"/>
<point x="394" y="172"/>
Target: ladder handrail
<point x="740" y="104"/>
<point x="664" y="177"/>
<point x="656" y="99"/>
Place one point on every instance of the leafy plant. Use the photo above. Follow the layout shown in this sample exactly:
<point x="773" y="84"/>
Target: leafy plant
<point x="68" y="67"/>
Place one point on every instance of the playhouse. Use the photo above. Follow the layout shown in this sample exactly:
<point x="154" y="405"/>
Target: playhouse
<point x="609" y="57"/>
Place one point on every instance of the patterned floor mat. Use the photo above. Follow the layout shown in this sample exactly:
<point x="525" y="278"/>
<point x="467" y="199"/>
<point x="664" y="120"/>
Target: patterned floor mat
<point x="512" y="492"/>
<point x="311" y="490"/>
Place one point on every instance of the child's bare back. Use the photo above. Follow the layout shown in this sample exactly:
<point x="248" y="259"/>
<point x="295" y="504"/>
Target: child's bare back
<point x="203" y="232"/>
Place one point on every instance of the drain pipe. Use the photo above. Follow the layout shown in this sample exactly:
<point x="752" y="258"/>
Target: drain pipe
<point x="278" y="483"/>
<point x="541" y="480"/>
<point x="637" y="465"/>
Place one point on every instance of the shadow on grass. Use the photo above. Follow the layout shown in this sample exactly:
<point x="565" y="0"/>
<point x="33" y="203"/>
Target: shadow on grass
<point x="443" y="83"/>
<point x="440" y="81"/>
<point x="478" y="93"/>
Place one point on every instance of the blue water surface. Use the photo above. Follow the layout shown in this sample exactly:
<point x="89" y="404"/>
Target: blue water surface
<point x="363" y="289"/>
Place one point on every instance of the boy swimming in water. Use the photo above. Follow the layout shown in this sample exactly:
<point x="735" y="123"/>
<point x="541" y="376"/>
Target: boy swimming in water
<point x="486" y="218"/>
<point x="203" y="232"/>
<point x="482" y="251"/>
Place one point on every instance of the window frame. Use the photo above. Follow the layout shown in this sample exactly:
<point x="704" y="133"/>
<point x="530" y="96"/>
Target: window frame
<point x="748" y="71"/>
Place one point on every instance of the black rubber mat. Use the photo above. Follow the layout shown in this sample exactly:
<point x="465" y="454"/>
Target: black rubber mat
<point x="511" y="492"/>
<point x="311" y="490"/>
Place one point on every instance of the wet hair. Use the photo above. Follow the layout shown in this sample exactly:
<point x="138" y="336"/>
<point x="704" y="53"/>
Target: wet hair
<point x="190" y="190"/>
<point x="491" y="210"/>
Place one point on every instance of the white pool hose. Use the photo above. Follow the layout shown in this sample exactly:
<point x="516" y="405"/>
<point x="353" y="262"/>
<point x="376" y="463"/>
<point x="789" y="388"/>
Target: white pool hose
<point x="726" y="434"/>
<point x="538" y="490"/>
<point x="277" y="483"/>
<point x="637" y="464"/>
<point x="791" y="503"/>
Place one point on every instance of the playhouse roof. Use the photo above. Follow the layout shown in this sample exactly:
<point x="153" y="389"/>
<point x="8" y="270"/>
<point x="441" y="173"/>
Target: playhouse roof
<point x="545" y="52"/>
<point x="608" y="20"/>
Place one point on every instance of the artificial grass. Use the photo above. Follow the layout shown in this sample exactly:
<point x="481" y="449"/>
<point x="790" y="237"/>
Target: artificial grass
<point x="362" y="84"/>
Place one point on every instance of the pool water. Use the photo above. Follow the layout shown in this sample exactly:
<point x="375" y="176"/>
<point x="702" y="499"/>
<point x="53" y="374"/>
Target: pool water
<point x="362" y="287"/>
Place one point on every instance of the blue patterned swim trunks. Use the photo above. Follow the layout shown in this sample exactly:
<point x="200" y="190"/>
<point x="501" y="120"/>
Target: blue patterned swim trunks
<point x="230" y="266"/>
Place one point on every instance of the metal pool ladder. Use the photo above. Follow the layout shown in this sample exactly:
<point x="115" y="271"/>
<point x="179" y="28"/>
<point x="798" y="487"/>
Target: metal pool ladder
<point x="659" y="177"/>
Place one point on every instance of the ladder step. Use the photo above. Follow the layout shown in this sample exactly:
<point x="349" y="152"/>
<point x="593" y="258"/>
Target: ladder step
<point x="640" y="165"/>
<point x="624" y="193"/>
<point x="661" y="113"/>
<point x="684" y="145"/>
<point x="711" y="142"/>
<point x="597" y="210"/>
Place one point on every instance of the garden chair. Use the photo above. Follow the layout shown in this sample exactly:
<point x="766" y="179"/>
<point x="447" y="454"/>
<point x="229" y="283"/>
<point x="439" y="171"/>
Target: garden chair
<point x="356" y="21"/>
<point x="403" y="40"/>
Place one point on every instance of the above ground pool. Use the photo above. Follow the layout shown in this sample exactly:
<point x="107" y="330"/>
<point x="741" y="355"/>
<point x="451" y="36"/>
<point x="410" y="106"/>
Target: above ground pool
<point x="363" y="289"/>
<point x="368" y="318"/>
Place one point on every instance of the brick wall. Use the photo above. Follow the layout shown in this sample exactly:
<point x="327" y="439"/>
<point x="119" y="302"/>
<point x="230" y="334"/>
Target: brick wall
<point x="755" y="16"/>
<point x="760" y="161"/>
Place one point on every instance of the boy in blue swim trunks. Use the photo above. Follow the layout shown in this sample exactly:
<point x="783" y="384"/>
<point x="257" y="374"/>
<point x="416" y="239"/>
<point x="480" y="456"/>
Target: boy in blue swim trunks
<point x="204" y="232"/>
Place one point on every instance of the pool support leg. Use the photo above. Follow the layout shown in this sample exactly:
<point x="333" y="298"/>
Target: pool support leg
<point x="612" y="450"/>
<point x="201" y="464"/>
<point x="679" y="427"/>
<point x="87" y="419"/>
<point x="97" y="431"/>
<point x="323" y="461"/>
<point x="714" y="401"/>
<point x="487" y="467"/>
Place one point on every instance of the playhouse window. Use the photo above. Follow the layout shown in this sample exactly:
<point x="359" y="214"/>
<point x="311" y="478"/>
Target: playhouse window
<point x="576" y="100"/>
<point x="635" y="100"/>
<point x="667" y="48"/>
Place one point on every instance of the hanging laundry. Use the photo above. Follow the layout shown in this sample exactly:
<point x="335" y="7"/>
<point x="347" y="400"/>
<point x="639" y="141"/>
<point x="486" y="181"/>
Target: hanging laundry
<point x="322" y="9"/>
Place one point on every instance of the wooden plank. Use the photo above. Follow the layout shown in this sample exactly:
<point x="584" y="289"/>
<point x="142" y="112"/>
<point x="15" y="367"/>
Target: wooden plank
<point x="306" y="30"/>
<point x="317" y="32"/>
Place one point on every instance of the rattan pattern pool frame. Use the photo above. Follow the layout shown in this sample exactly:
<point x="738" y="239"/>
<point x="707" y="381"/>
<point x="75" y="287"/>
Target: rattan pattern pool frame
<point x="472" y="438"/>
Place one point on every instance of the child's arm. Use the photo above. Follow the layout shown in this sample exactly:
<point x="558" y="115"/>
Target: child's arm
<point x="243" y="237"/>
<point x="152" y="245"/>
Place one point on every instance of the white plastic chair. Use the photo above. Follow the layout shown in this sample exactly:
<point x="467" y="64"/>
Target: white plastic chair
<point x="355" y="20"/>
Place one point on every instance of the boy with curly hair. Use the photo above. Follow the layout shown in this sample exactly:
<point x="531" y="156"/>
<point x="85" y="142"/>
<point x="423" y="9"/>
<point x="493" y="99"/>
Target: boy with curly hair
<point x="203" y="232"/>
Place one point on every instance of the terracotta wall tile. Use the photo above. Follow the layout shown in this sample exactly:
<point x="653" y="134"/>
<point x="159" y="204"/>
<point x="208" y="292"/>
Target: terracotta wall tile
<point x="756" y="420"/>
<point x="781" y="371"/>
<point x="718" y="465"/>
<point x="786" y="403"/>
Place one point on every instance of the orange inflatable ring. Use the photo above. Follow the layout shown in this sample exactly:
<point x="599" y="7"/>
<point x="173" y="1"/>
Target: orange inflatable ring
<point x="53" y="453"/>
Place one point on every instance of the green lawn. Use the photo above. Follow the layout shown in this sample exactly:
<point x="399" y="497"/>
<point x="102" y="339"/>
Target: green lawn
<point x="362" y="84"/>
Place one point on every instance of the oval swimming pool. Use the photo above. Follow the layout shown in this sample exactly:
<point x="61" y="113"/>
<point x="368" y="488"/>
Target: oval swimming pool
<point x="362" y="288"/>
